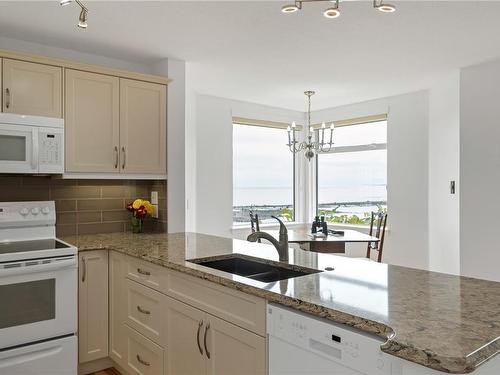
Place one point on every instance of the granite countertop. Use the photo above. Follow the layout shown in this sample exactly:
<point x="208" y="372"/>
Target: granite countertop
<point x="444" y="322"/>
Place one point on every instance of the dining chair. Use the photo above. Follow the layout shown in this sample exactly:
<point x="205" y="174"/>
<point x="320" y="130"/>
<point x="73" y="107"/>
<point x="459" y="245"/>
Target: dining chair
<point x="254" y="222"/>
<point x="379" y="221"/>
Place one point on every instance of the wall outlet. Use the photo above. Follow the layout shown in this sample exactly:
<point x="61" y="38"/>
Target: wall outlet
<point x="154" y="202"/>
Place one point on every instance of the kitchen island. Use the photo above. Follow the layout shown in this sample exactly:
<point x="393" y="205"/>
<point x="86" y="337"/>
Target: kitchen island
<point x="444" y="322"/>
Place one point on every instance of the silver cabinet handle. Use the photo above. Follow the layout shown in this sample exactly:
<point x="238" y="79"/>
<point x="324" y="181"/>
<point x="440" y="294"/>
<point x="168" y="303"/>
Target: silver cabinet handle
<point x="7" y="98"/>
<point x="84" y="271"/>
<point x="124" y="157"/>
<point x="142" y="272"/>
<point x="141" y="310"/>
<point x="116" y="154"/>
<point x="200" y="324"/>
<point x="142" y="361"/>
<point x="205" y="340"/>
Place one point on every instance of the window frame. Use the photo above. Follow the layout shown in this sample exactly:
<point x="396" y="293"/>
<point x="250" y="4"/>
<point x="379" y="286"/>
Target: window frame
<point x="238" y="121"/>
<point x="356" y="148"/>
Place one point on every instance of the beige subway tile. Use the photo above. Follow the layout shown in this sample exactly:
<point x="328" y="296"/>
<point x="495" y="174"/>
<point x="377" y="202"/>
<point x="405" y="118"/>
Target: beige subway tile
<point x="114" y="191"/>
<point x="66" y="230"/>
<point x="89" y="217"/>
<point x="91" y="182"/>
<point x="10" y="181"/>
<point x="99" y="204"/>
<point x="66" y="192"/>
<point x="65" y="205"/>
<point x="100" y="228"/>
<point x="66" y="218"/>
<point x="118" y="215"/>
<point x="15" y="193"/>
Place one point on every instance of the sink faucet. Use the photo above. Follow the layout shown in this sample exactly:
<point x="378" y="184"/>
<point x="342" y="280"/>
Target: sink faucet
<point x="281" y="245"/>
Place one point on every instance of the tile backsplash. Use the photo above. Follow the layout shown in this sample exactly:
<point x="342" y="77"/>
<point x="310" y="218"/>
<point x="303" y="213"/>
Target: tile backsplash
<point x="88" y="206"/>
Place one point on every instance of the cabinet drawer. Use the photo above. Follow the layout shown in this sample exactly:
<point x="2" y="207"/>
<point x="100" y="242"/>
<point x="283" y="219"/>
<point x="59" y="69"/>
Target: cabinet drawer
<point x="144" y="357"/>
<point x="147" y="274"/>
<point x="145" y="311"/>
<point x="241" y="309"/>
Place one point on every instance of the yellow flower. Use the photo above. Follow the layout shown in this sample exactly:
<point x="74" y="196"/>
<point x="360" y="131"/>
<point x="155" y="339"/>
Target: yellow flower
<point x="138" y="203"/>
<point x="149" y="207"/>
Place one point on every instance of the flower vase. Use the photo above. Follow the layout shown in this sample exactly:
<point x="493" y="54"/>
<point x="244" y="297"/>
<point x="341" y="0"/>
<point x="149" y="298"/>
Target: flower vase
<point x="137" y="224"/>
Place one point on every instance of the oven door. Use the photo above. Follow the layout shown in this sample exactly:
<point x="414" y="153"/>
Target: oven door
<point x="18" y="149"/>
<point x="39" y="300"/>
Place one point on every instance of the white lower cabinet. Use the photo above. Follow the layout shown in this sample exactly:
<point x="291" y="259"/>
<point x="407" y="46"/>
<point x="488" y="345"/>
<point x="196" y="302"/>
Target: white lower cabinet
<point x="233" y="350"/>
<point x="144" y="357"/>
<point x="199" y="343"/>
<point x="117" y="307"/>
<point x="93" y="305"/>
<point x="152" y="333"/>
<point x="186" y="354"/>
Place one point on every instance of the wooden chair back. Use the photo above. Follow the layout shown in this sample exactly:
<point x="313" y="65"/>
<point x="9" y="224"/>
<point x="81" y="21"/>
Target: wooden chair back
<point x="378" y="222"/>
<point x="254" y="222"/>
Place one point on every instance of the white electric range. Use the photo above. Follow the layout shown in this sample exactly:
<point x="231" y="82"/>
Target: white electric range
<point x="38" y="293"/>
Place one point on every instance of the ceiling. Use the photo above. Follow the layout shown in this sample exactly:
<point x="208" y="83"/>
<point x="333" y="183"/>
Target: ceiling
<point x="251" y="51"/>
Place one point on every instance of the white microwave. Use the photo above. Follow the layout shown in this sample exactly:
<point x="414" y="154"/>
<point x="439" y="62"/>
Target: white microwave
<point x="31" y="144"/>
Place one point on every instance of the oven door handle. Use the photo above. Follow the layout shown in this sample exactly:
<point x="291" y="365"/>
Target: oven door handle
<point x="55" y="265"/>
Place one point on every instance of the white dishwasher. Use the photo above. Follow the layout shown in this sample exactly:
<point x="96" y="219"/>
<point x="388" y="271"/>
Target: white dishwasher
<point x="302" y="344"/>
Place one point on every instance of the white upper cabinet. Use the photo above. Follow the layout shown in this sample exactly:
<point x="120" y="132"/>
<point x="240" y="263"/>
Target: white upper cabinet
<point x="31" y="88"/>
<point x="92" y="122"/>
<point x="143" y="127"/>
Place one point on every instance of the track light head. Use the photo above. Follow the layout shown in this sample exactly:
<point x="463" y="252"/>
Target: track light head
<point x="290" y="8"/>
<point x="332" y="12"/>
<point x="65" y="2"/>
<point x="82" y="20"/>
<point x="386" y="8"/>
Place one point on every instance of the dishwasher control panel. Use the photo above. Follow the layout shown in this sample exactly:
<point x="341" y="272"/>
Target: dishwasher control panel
<point x="355" y="350"/>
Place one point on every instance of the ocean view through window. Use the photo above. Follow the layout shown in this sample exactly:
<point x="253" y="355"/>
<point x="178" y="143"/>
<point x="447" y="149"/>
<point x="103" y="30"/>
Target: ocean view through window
<point x="263" y="174"/>
<point x="352" y="180"/>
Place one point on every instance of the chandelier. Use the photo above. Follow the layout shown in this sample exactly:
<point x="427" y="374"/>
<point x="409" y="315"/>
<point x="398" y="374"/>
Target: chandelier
<point x="334" y="12"/>
<point x="310" y="146"/>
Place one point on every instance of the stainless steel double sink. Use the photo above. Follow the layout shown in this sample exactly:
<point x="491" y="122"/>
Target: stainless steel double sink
<point x="254" y="268"/>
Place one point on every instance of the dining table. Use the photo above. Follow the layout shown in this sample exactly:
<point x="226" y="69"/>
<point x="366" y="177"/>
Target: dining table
<point x="333" y="243"/>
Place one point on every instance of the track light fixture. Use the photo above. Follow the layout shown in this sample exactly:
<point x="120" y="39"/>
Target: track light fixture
<point x="84" y="13"/>
<point x="334" y="12"/>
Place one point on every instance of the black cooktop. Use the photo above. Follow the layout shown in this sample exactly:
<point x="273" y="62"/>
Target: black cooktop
<point x="33" y="245"/>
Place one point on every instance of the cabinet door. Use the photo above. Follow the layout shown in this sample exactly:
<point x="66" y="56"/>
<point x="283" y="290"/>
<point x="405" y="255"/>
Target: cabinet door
<point x="144" y="357"/>
<point x="143" y="127"/>
<point x="32" y="89"/>
<point x="92" y="124"/>
<point x="233" y="350"/>
<point x="185" y="353"/>
<point x="93" y="305"/>
<point x="117" y="307"/>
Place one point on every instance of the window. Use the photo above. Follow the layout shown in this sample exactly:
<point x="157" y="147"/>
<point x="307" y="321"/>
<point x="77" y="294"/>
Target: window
<point x="352" y="179"/>
<point x="263" y="174"/>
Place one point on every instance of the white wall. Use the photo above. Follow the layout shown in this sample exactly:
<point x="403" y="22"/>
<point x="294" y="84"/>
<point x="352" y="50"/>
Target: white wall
<point x="444" y="150"/>
<point x="69" y="54"/>
<point x="407" y="172"/>
<point x="176" y="207"/>
<point x="480" y="170"/>
<point x="214" y="157"/>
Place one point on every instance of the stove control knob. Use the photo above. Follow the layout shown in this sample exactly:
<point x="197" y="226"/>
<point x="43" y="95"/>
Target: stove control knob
<point x="24" y="212"/>
<point x="45" y="210"/>
<point x="35" y="211"/>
